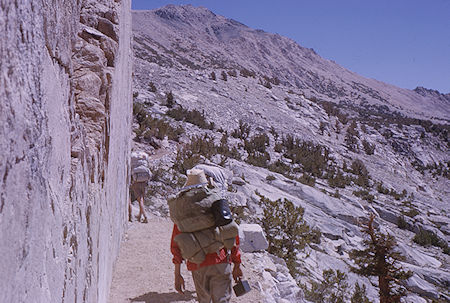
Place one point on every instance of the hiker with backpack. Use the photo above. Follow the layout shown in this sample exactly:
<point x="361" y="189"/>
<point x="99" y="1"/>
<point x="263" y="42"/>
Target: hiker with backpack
<point x="140" y="175"/>
<point x="205" y="235"/>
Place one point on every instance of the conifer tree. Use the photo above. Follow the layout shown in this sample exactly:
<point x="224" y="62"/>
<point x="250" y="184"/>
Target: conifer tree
<point x="286" y="230"/>
<point x="379" y="259"/>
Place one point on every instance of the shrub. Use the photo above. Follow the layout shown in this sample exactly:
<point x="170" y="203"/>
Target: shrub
<point x="358" y="168"/>
<point x="232" y="73"/>
<point x="242" y="132"/>
<point x="247" y="73"/>
<point x="270" y="178"/>
<point x="152" y="87"/>
<point x="364" y="194"/>
<point x="360" y="294"/>
<point x="351" y="136"/>
<point x="191" y="116"/>
<point x="337" y="194"/>
<point x="258" y="159"/>
<point x="338" y="180"/>
<point x="412" y="212"/>
<point x="190" y="154"/>
<point x="257" y="143"/>
<point x="312" y="157"/>
<point x="381" y="189"/>
<point x="427" y="238"/>
<point x="169" y="99"/>
<point x="150" y="127"/>
<point x="285" y="229"/>
<point x="368" y="148"/>
<point x="280" y="167"/>
<point x="224" y="76"/>
<point x="333" y="288"/>
<point x="307" y="180"/>
<point x="401" y="223"/>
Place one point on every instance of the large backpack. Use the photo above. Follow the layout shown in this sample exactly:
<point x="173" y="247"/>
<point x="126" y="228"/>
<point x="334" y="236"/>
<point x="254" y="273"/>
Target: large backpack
<point x="195" y="245"/>
<point x="191" y="211"/>
<point x="139" y="167"/>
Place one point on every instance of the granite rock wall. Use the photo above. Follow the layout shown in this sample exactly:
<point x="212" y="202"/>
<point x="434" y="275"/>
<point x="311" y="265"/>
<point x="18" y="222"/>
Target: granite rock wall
<point x="65" y="124"/>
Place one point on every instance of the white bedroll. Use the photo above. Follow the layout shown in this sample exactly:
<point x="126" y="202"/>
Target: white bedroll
<point x="139" y="167"/>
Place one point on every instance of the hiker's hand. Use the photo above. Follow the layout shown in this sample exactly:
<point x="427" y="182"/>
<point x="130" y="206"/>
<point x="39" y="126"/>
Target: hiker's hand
<point x="237" y="271"/>
<point x="179" y="283"/>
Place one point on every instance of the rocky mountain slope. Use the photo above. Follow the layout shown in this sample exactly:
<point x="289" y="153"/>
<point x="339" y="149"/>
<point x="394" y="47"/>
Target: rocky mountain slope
<point x="291" y="125"/>
<point x="197" y="39"/>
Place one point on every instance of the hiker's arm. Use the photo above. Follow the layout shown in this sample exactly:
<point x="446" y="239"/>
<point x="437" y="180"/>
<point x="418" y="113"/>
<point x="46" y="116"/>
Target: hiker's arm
<point x="237" y="271"/>
<point x="235" y="252"/>
<point x="176" y="252"/>
<point x="177" y="259"/>
<point x="179" y="281"/>
<point x="236" y="259"/>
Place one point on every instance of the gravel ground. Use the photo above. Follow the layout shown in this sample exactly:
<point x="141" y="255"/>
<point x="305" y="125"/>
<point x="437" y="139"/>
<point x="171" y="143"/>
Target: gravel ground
<point x="144" y="269"/>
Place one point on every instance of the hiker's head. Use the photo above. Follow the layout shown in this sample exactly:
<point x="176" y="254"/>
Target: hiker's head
<point x="196" y="177"/>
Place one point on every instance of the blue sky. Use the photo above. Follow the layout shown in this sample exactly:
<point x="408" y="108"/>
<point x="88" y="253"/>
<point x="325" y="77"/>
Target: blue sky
<point x="402" y="42"/>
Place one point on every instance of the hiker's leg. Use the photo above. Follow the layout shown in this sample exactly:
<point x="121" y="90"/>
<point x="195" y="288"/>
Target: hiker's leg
<point x="129" y="207"/>
<point x="220" y="283"/>
<point x="141" y="209"/>
<point x="201" y="282"/>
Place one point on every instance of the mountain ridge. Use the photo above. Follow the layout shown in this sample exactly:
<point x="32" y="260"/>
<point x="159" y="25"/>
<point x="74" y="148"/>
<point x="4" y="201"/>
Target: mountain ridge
<point x="213" y="41"/>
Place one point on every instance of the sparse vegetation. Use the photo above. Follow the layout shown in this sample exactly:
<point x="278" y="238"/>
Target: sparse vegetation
<point x="152" y="87"/>
<point x="270" y="178"/>
<point x="364" y="194"/>
<point x="360" y="294"/>
<point x="358" y="168"/>
<point x="368" y="148"/>
<point x="152" y="127"/>
<point x="191" y="116"/>
<point x="223" y="75"/>
<point x="313" y="158"/>
<point x="401" y="223"/>
<point x="232" y="73"/>
<point x="332" y="289"/>
<point x="242" y="132"/>
<point x="427" y="238"/>
<point x="247" y="73"/>
<point x="351" y="137"/>
<point x="170" y="100"/>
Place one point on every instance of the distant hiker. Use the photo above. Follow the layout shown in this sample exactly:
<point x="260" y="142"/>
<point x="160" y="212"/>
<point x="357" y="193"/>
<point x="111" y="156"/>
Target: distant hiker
<point x="207" y="239"/>
<point x="140" y="175"/>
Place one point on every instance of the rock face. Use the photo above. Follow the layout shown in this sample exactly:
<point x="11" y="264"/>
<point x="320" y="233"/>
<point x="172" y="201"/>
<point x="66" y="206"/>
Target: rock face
<point x="65" y="120"/>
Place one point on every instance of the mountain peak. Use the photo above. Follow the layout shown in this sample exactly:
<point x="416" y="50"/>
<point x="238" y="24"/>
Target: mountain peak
<point x="184" y="13"/>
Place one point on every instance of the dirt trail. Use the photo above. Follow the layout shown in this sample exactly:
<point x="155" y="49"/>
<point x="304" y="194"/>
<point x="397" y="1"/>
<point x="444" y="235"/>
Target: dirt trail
<point x="144" y="269"/>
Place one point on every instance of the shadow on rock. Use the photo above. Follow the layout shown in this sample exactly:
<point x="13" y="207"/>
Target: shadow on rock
<point x="155" y="297"/>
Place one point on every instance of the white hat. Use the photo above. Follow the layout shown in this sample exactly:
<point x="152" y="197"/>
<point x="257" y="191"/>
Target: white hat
<point x="195" y="177"/>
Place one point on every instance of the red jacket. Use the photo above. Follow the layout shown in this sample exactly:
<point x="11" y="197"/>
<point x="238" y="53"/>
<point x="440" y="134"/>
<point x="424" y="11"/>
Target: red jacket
<point x="210" y="259"/>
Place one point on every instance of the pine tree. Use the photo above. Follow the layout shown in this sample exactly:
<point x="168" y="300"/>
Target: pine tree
<point x="286" y="230"/>
<point x="379" y="259"/>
